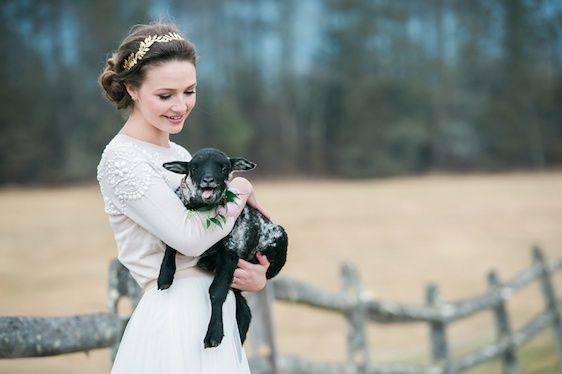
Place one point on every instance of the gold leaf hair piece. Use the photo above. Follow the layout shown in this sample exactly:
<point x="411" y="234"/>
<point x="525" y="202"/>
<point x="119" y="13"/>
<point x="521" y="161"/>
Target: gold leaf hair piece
<point x="145" y="45"/>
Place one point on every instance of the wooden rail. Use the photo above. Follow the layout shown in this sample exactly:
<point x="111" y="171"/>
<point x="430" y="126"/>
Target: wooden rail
<point x="360" y="308"/>
<point x="38" y="336"/>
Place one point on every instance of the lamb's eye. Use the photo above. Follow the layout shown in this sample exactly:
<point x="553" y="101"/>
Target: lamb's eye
<point x="194" y="169"/>
<point x="225" y="169"/>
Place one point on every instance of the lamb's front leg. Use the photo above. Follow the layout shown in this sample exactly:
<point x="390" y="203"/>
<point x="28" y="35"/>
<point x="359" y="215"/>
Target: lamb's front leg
<point x="226" y="264"/>
<point x="167" y="269"/>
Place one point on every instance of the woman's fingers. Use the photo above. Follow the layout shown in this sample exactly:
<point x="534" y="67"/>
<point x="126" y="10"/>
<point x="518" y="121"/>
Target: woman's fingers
<point x="262" y="259"/>
<point x="249" y="276"/>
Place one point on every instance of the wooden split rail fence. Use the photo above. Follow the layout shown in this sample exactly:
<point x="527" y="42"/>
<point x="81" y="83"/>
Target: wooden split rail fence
<point x="37" y="336"/>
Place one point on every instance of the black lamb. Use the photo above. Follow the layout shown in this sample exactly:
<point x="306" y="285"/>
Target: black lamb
<point x="205" y="187"/>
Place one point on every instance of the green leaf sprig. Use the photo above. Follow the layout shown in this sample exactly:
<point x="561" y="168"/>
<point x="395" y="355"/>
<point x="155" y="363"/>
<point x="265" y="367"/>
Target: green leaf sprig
<point x="218" y="219"/>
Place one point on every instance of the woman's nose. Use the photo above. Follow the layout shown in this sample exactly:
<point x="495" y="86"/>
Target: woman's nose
<point x="180" y="105"/>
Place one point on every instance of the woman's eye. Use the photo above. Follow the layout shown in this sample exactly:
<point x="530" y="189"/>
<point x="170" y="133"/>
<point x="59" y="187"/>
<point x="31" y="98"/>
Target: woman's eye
<point x="164" y="97"/>
<point x="189" y="92"/>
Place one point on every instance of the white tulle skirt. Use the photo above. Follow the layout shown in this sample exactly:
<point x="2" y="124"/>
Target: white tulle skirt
<point x="166" y="331"/>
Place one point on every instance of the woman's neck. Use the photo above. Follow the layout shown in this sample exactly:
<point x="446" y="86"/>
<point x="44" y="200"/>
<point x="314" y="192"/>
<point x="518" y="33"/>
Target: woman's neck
<point x="138" y="128"/>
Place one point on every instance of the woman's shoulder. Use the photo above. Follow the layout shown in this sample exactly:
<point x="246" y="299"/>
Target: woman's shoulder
<point x="128" y="167"/>
<point x="125" y="170"/>
<point x="126" y="160"/>
<point x="182" y="153"/>
<point x="123" y="146"/>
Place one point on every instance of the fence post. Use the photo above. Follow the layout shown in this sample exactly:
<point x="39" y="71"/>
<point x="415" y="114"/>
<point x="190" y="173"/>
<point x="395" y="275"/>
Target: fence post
<point x="121" y="284"/>
<point x="438" y="335"/>
<point x="262" y="334"/>
<point x="550" y="298"/>
<point x="358" y="350"/>
<point x="503" y="326"/>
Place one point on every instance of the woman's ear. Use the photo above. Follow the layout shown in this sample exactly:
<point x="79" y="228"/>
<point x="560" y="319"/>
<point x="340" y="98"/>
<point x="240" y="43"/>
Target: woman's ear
<point x="132" y="91"/>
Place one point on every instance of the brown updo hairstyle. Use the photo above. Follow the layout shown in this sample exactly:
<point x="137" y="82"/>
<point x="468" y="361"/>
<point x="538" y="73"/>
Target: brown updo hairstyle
<point x="114" y="76"/>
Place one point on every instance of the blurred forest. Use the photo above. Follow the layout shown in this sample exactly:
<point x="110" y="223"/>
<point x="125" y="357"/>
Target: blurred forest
<point x="335" y="88"/>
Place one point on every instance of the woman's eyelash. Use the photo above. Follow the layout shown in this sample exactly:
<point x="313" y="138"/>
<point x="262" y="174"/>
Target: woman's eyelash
<point x="166" y="97"/>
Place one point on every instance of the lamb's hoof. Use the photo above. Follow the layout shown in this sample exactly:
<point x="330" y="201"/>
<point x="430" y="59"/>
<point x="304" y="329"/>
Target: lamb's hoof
<point x="164" y="286"/>
<point x="165" y="278"/>
<point x="213" y="341"/>
<point x="164" y="281"/>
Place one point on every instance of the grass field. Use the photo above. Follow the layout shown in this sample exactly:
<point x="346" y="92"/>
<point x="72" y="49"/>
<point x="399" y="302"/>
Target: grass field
<point x="56" y="244"/>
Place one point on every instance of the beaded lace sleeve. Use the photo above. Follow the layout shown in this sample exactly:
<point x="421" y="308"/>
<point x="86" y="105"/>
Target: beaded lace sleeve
<point x="124" y="176"/>
<point x="132" y="186"/>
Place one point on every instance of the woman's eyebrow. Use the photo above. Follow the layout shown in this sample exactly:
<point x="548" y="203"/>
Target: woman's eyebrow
<point x="173" y="89"/>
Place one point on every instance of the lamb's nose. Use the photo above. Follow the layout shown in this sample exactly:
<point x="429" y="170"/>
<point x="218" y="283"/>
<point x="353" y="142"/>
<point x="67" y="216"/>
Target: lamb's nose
<point x="208" y="180"/>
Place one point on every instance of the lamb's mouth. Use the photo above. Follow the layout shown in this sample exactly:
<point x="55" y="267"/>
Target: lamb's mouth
<point x="208" y="193"/>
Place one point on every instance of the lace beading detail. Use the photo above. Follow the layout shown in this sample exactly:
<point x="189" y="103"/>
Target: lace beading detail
<point x="127" y="169"/>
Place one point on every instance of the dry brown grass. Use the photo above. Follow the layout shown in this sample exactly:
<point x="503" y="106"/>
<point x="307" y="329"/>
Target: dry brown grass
<point x="55" y="247"/>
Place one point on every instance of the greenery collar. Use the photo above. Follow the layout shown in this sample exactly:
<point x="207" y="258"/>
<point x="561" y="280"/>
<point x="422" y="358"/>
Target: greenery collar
<point x="218" y="219"/>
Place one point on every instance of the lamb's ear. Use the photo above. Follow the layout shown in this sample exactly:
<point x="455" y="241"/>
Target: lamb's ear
<point x="180" y="167"/>
<point x="241" y="164"/>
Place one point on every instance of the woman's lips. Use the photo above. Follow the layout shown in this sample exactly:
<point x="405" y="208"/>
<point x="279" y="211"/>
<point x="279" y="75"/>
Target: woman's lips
<point x="176" y="120"/>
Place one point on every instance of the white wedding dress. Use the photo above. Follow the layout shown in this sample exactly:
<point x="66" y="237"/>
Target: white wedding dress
<point x="166" y="331"/>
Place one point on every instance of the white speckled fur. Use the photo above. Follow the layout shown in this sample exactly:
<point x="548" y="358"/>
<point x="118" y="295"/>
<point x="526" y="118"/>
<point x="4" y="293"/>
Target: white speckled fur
<point x="271" y="232"/>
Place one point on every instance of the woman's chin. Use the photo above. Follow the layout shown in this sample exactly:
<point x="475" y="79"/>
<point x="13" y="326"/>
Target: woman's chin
<point x="175" y="128"/>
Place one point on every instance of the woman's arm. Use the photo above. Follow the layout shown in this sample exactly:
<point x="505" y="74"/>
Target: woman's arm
<point x="131" y="186"/>
<point x="161" y="213"/>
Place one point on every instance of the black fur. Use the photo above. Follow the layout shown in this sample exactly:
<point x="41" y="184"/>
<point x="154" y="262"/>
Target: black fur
<point x="209" y="169"/>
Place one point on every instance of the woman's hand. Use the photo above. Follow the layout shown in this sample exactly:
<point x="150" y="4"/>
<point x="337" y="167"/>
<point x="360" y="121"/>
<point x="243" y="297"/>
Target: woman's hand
<point x="250" y="277"/>
<point x="244" y="188"/>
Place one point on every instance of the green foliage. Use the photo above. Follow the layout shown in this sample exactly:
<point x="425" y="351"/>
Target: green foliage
<point x="218" y="219"/>
<point x="391" y="87"/>
<point x="231" y="131"/>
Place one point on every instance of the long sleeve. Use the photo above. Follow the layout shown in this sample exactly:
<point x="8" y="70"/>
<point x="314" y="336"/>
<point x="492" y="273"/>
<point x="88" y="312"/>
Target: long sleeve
<point x="136" y="186"/>
<point x="160" y="212"/>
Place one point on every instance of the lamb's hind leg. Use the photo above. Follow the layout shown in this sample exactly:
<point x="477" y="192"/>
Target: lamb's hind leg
<point x="277" y="255"/>
<point x="226" y="264"/>
<point x="243" y="314"/>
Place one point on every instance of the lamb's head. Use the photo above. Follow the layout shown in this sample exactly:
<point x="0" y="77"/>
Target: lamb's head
<point x="207" y="174"/>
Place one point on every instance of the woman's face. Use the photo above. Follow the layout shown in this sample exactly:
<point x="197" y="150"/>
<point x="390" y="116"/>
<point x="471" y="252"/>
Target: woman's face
<point x="166" y="97"/>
